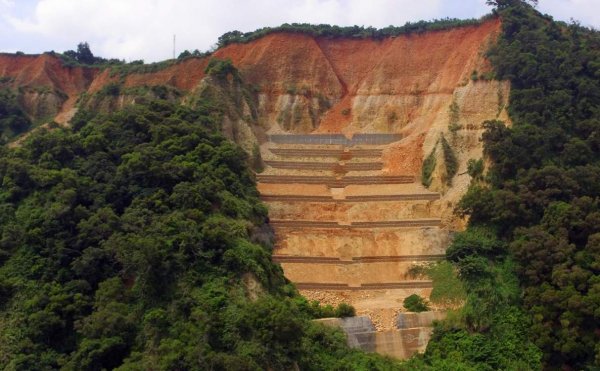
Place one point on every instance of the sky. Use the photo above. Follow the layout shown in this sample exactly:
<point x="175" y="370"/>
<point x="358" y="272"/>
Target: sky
<point x="144" y="29"/>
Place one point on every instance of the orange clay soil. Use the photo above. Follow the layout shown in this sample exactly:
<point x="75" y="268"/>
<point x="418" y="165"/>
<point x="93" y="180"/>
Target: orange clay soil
<point x="353" y="211"/>
<point x="337" y="69"/>
<point x="359" y="273"/>
<point x="362" y="242"/>
<point x="45" y="71"/>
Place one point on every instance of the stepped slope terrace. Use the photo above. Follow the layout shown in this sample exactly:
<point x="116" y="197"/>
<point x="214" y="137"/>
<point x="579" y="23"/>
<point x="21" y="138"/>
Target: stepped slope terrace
<point x="343" y="127"/>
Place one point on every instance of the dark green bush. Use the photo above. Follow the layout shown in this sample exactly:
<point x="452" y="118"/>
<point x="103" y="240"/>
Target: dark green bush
<point x="449" y="160"/>
<point x="428" y="168"/>
<point x="220" y="68"/>
<point x="475" y="168"/>
<point x="415" y="303"/>
<point x="13" y="121"/>
<point x="345" y="310"/>
<point x="526" y="258"/>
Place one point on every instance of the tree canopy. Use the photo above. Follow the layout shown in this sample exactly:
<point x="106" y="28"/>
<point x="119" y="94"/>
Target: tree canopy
<point x="131" y="241"/>
<point x="529" y="257"/>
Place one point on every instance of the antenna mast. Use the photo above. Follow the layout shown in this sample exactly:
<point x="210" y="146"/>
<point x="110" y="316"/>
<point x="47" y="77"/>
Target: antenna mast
<point x="174" y="46"/>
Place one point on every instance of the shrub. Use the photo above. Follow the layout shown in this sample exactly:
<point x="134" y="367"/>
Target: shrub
<point x="475" y="168"/>
<point x="415" y="303"/>
<point x="113" y="90"/>
<point x="428" y="167"/>
<point x="220" y="68"/>
<point x="450" y="161"/>
<point x="345" y="310"/>
<point x="454" y="116"/>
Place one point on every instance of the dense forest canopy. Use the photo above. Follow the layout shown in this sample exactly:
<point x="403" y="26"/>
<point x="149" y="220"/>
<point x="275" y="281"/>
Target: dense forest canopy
<point x="13" y="121"/>
<point x="131" y="241"/>
<point x="530" y="257"/>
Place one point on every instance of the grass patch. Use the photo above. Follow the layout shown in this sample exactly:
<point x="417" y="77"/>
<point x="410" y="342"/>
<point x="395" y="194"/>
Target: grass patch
<point x="448" y="290"/>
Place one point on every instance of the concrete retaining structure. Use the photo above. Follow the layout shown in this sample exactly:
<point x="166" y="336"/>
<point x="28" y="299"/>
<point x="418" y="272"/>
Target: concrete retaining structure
<point x="332" y="139"/>
<point x="398" y="343"/>
<point x="348" y="230"/>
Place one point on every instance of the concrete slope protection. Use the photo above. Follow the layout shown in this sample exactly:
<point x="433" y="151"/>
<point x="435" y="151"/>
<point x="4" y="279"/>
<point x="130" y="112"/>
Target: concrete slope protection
<point x="340" y="267"/>
<point x="342" y="127"/>
<point x="375" y="282"/>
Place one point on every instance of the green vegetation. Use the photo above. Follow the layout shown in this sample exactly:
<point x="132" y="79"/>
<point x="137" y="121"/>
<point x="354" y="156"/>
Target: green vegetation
<point x="112" y="89"/>
<point x="449" y="160"/>
<point x="551" y="236"/>
<point x="83" y="56"/>
<point x="13" y="120"/>
<point x="415" y="303"/>
<point x="448" y="289"/>
<point x="454" y="117"/>
<point x="221" y="68"/>
<point x="529" y="257"/>
<point x="104" y="98"/>
<point x="128" y="242"/>
<point x="487" y="76"/>
<point x="489" y="332"/>
<point x="139" y="67"/>
<point x="257" y="163"/>
<point x="193" y="54"/>
<point x="475" y="169"/>
<point x="325" y="30"/>
<point x="428" y="168"/>
<point x="429" y="164"/>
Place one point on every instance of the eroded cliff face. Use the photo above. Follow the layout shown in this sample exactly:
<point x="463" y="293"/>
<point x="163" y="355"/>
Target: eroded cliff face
<point x="304" y="84"/>
<point x="45" y="87"/>
<point x="416" y="85"/>
<point x="419" y="86"/>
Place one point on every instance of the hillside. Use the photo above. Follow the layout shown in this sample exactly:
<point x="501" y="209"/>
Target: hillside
<point x="179" y="215"/>
<point x="419" y="87"/>
<point x="303" y="84"/>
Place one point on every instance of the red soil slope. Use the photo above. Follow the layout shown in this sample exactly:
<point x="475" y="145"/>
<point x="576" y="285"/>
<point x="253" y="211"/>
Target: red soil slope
<point x="281" y="63"/>
<point x="46" y="71"/>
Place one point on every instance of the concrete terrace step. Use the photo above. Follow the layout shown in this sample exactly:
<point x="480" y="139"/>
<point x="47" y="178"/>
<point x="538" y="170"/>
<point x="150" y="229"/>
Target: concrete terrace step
<point x="337" y="153"/>
<point x="335" y="166"/>
<point x="379" y="224"/>
<point x="371" y="198"/>
<point x="287" y="198"/>
<point x="354" y="260"/>
<point x="405" y="197"/>
<point x="367" y="286"/>
<point x="335" y="182"/>
<point x="335" y="139"/>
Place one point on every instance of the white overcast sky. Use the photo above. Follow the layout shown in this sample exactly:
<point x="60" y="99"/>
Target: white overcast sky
<point x="143" y="29"/>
